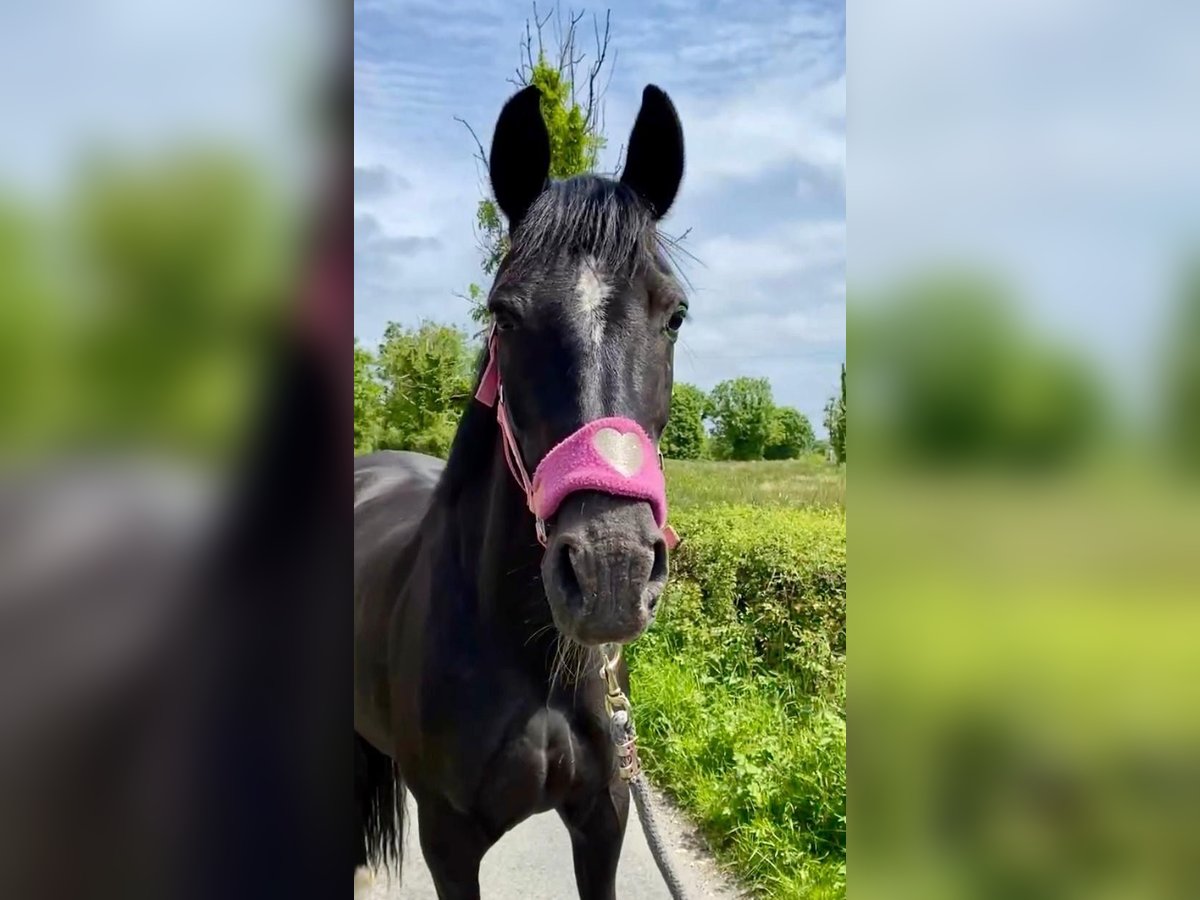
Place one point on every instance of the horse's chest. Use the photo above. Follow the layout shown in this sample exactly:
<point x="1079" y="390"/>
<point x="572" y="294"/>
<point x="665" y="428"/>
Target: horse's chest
<point x="542" y="763"/>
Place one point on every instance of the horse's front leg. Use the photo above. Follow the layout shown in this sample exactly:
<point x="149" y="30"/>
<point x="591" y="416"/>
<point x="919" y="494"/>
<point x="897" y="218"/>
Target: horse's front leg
<point x="597" y="828"/>
<point x="453" y="845"/>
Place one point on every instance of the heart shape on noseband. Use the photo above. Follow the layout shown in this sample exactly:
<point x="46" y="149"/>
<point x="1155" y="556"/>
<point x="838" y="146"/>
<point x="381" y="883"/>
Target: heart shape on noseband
<point x="621" y="451"/>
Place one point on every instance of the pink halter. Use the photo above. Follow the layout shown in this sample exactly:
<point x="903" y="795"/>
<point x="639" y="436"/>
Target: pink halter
<point x="612" y="455"/>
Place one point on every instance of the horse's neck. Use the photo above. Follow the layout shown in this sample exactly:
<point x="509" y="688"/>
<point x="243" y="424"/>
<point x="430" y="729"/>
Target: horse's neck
<point x="492" y="531"/>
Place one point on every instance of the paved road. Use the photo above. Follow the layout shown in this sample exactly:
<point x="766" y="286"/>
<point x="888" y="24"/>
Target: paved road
<point x="533" y="862"/>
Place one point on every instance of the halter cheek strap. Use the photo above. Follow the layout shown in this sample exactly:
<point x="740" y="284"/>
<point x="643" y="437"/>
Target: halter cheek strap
<point x="612" y="455"/>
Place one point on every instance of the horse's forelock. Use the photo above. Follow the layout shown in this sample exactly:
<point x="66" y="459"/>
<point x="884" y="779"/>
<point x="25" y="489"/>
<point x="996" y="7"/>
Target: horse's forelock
<point x="591" y="217"/>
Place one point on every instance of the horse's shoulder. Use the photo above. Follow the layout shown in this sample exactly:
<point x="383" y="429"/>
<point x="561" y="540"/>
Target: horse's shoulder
<point x="392" y="493"/>
<point x="394" y="471"/>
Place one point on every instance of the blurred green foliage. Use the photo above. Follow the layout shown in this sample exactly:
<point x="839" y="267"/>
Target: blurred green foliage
<point x="1024" y="670"/>
<point x="1024" y="644"/>
<point x="950" y="376"/>
<point x="1180" y="425"/>
<point x="139" y="310"/>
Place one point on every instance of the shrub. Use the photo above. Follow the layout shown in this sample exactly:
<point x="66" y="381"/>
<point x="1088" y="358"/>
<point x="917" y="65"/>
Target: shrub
<point x="778" y="575"/>
<point x="790" y="436"/>
<point x="684" y="436"/>
<point x="739" y="691"/>
<point x="425" y="373"/>
<point x="741" y="411"/>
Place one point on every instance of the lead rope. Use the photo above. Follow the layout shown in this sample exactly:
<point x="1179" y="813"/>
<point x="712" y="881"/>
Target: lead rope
<point x="624" y="738"/>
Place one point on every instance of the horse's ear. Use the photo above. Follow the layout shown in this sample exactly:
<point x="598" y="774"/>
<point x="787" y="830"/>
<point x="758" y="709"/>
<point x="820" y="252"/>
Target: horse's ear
<point x="654" y="160"/>
<point x="520" y="159"/>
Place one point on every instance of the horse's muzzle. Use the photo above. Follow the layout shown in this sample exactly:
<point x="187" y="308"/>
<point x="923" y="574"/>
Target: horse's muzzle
<point x="605" y="568"/>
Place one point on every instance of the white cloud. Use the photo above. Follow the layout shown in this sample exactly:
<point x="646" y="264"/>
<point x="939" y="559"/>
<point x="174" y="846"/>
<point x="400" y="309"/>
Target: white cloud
<point x="761" y="94"/>
<point x="787" y="249"/>
<point x="1063" y="154"/>
<point x="773" y="125"/>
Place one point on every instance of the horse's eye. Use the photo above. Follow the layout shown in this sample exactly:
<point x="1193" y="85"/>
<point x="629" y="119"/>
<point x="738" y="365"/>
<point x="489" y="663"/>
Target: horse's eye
<point x="504" y="319"/>
<point x="676" y="322"/>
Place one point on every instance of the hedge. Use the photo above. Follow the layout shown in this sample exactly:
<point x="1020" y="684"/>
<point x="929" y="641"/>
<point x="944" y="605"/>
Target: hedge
<point x="739" y="692"/>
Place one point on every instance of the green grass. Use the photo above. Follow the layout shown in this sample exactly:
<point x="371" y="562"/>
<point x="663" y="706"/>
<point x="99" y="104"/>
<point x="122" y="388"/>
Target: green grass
<point x="793" y="483"/>
<point x="764" y="779"/>
<point x="739" y="688"/>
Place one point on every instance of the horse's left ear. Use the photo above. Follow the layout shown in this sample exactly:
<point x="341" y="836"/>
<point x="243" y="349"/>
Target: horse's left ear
<point x="654" y="160"/>
<point x="519" y="163"/>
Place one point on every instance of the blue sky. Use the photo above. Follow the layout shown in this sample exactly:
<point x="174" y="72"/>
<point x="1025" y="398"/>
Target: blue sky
<point x="140" y="78"/>
<point x="761" y="91"/>
<point x="1053" y="142"/>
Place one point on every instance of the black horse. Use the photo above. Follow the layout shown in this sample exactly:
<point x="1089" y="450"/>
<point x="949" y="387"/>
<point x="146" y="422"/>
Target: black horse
<point x="476" y="661"/>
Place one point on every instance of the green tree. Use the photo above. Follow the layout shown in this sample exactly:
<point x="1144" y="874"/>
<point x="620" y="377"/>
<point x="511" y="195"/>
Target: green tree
<point x="790" y="436"/>
<point x="955" y="377"/>
<point x="368" y="401"/>
<point x="156" y="330"/>
<point x="835" y="421"/>
<point x="572" y="107"/>
<point x="684" y="436"/>
<point x="426" y="375"/>
<point x="1181" y="376"/>
<point x="742" y="411"/>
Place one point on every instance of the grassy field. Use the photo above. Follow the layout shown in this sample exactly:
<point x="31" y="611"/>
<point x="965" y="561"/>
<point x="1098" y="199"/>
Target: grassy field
<point x="793" y="483"/>
<point x="739" y="689"/>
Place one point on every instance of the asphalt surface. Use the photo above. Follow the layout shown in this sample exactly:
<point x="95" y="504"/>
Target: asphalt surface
<point x="533" y="862"/>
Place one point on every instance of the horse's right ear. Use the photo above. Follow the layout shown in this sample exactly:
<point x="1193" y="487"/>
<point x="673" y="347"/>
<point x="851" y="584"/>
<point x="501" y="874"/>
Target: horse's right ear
<point x="654" y="160"/>
<point x="520" y="159"/>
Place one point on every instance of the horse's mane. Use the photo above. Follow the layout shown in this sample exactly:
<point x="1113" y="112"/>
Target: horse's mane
<point x="587" y="215"/>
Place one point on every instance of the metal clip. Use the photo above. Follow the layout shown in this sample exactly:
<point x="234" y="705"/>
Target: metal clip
<point x="625" y="744"/>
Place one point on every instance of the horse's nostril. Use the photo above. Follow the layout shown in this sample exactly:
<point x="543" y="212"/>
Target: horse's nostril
<point x="568" y="579"/>
<point x="658" y="572"/>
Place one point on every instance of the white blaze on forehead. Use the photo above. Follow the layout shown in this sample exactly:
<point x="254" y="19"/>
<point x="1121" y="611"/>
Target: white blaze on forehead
<point x="591" y="293"/>
<point x="592" y="290"/>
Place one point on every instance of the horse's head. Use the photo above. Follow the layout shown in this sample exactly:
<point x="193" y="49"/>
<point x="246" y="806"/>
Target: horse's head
<point x="586" y="312"/>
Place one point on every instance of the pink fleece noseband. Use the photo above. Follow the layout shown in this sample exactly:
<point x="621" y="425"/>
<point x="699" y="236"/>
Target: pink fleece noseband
<point x="612" y="455"/>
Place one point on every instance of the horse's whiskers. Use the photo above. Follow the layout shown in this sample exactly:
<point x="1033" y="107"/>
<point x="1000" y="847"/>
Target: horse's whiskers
<point x="538" y="633"/>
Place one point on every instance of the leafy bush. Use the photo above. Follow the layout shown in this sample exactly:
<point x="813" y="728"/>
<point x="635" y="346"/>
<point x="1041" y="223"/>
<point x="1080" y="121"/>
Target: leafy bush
<point x="741" y="410"/>
<point x="684" y="435"/>
<point x="368" y="401"/>
<point x="790" y="436"/>
<point x="739" y="692"/>
<point x="774" y="582"/>
<point x="411" y="394"/>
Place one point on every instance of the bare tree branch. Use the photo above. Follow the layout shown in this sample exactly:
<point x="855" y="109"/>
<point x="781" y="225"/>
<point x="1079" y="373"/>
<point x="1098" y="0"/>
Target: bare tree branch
<point x="601" y="54"/>
<point x="567" y="60"/>
<point x="620" y="159"/>
<point x="540" y="24"/>
<point x="480" y="154"/>
<point x="529" y="42"/>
